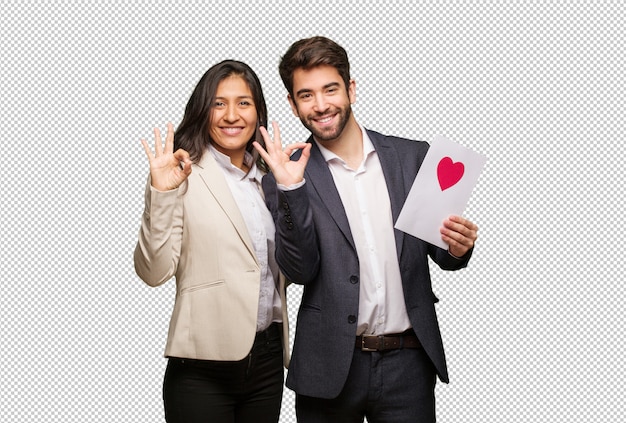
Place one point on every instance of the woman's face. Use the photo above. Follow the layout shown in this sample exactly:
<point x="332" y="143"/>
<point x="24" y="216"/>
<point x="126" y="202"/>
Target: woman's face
<point x="233" y="116"/>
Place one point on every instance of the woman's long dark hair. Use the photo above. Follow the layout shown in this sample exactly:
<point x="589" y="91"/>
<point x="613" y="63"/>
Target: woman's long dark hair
<point x="193" y="133"/>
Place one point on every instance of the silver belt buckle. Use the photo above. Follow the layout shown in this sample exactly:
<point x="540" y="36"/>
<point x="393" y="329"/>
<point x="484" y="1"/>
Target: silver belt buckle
<point x="378" y="344"/>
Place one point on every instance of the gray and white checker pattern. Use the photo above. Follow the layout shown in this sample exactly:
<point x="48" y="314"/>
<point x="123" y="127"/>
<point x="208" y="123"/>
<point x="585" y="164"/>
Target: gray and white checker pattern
<point x="532" y="327"/>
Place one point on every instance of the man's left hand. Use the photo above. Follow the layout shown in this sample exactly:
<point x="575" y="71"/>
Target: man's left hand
<point x="460" y="234"/>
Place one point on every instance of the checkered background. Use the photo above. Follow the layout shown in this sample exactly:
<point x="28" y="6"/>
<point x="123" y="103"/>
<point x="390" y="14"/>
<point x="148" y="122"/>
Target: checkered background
<point x="533" y="327"/>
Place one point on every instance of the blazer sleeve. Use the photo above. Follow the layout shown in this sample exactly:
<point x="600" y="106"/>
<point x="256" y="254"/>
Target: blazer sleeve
<point x="297" y="252"/>
<point x="447" y="261"/>
<point x="158" y="248"/>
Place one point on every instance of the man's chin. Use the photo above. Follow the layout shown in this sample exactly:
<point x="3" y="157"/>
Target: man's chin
<point x="325" y="137"/>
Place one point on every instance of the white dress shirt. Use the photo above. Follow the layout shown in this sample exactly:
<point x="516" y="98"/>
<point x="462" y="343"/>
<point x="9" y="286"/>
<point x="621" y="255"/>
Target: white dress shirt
<point x="365" y="198"/>
<point x="246" y="189"/>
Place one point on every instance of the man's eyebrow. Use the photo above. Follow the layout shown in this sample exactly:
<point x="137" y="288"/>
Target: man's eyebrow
<point x="302" y="91"/>
<point x="325" y="87"/>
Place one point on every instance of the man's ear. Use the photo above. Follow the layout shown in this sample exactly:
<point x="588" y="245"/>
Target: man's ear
<point x="294" y="109"/>
<point x="352" y="91"/>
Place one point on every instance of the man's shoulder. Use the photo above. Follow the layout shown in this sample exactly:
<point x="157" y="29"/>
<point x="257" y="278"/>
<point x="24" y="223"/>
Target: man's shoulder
<point x="398" y="142"/>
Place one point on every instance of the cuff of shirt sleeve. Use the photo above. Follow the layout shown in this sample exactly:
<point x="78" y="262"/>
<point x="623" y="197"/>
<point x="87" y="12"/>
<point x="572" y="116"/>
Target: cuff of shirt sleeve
<point x="456" y="257"/>
<point x="292" y="186"/>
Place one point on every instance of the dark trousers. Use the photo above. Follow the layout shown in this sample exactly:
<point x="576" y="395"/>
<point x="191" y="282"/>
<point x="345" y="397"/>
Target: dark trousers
<point x="243" y="391"/>
<point x="395" y="386"/>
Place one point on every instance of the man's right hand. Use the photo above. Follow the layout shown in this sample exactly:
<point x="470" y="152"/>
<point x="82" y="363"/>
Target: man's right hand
<point x="286" y="171"/>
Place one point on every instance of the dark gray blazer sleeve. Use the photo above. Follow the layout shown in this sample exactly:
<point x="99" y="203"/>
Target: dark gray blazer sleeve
<point x="446" y="261"/>
<point x="297" y="250"/>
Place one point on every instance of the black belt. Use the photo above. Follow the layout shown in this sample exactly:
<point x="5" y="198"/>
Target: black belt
<point x="270" y="334"/>
<point x="392" y="341"/>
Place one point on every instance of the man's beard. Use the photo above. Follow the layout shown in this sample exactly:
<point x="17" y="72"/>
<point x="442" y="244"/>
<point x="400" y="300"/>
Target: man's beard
<point x="333" y="132"/>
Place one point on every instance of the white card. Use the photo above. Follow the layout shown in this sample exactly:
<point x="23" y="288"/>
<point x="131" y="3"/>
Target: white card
<point x="442" y="187"/>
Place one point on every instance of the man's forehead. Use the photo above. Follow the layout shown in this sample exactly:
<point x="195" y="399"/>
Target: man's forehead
<point x="319" y="75"/>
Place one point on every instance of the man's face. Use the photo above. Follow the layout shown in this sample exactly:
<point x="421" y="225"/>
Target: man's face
<point x="321" y="101"/>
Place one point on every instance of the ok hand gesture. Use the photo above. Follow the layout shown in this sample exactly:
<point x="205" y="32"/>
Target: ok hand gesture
<point x="168" y="168"/>
<point x="286" y="171"/>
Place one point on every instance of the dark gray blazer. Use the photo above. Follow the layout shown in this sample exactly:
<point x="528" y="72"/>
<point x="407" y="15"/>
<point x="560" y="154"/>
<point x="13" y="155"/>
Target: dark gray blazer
<point x="314" y="247"/>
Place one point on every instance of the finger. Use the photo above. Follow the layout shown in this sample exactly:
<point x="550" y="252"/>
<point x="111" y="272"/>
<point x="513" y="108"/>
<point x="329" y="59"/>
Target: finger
<point x="306" y="153"/>
<point x="182" y="156"/>
<point x="290" y="148"/>
<point x="268" y="140"/>
<point x="458" y="224"/>
<point x="169" y="139"/>
<point x="296" y="145"/>
<point x="452" y="229"/>
<point x="158" y="146"/>
<point x="261" y="151"/>
<point x="184" y="161"/>
<point x="462" y="221"/>
<point x="146" y="148"/>
<point x="186" y="167"/>
<point x="458" y="238"/>
<point x="455" y="247"/>
<point x="276" y="131"/>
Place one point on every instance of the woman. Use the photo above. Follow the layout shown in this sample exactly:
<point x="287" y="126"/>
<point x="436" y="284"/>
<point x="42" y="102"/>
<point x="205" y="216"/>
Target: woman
<point x="205" y="222"/>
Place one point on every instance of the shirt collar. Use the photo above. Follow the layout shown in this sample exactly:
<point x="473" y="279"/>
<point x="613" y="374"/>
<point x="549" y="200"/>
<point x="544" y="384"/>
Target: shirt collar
<point x="224" y="162"/>
<point x="368" y="148"/>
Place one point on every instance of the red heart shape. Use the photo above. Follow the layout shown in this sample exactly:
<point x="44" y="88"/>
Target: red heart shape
<point x="449" y="173"/>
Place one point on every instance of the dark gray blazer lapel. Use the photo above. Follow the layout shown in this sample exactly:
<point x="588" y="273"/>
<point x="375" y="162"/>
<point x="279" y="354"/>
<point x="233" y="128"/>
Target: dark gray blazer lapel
<point x="321" y="180"/>
<point x="396" y="184"/>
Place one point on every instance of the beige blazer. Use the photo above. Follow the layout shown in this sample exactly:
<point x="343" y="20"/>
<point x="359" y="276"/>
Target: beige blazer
<point x="197" y="234"/>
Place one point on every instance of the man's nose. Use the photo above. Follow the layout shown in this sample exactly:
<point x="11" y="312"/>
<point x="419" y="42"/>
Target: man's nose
<point x="320" y="104"/>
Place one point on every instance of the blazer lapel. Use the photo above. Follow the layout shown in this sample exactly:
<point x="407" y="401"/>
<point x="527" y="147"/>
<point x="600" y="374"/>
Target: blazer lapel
<point x="318" y="174"/>
<point x="391" y="165"/>
<point x="215" y="181"/>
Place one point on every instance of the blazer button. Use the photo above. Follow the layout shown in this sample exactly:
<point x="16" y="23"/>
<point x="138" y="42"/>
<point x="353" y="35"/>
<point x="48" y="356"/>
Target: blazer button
<point x="354" y="279"/>
<point x="285" y="205"/>
<point x="351" y="319"/>
<point x="289" y="225"/>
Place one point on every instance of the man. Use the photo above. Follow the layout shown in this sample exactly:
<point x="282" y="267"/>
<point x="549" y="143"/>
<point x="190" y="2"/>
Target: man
<point x="367" y="340"/>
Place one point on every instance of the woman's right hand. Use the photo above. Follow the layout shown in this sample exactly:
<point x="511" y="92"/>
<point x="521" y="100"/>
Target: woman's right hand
<point x="168" y="168"/>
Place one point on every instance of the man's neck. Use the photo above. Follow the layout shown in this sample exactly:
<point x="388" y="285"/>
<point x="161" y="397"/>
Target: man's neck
<point x="349" y="145"/>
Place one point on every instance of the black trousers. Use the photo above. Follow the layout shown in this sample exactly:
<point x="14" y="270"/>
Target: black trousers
<point x="243" y="391"/>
